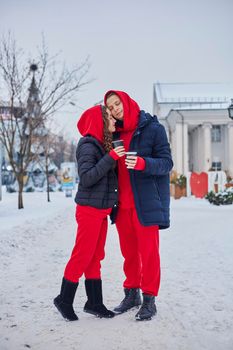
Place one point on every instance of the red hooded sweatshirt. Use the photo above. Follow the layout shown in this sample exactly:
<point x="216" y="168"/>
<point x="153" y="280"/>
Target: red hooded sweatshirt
<point x="91" y="123"/>
<point x="130" y="122"/>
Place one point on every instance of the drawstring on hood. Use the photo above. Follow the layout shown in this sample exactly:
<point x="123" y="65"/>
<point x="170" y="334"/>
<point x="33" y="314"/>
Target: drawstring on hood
<point x="131" y="109"/>
<point x="91" y="123"/>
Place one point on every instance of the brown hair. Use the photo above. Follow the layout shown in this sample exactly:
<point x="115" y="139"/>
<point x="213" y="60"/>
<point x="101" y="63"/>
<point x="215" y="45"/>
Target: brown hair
<point x="107" y="142"/>
<point x="111" y="93"/>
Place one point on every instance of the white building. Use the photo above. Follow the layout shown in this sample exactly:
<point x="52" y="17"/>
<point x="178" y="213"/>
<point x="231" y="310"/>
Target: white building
<point x="196" y="118"/>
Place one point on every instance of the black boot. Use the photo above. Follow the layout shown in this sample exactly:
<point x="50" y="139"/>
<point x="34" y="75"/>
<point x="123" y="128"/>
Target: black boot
<point x="148" y="308"/>
<point x="132" y="298"/>
<point x="94" y="304"/>
<point x="64" y="301"/>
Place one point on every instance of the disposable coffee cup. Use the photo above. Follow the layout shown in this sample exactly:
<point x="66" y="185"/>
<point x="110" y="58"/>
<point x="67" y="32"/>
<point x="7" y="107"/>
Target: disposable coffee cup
<point x="117" y="143"/>
<point x="130" y="154"/>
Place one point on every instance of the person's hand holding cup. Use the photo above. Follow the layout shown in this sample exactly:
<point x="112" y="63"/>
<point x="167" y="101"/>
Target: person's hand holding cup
<point x="118" y="146"/>
<point x="130" y="160"/>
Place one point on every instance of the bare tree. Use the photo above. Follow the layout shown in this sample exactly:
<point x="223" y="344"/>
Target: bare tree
<point x="48" y="149"/>
<point x="51" y="87"/>
<point x="47" y="144"/>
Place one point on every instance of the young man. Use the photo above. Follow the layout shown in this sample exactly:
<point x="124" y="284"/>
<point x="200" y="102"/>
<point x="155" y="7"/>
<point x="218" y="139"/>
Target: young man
<point x="143" y="200"/>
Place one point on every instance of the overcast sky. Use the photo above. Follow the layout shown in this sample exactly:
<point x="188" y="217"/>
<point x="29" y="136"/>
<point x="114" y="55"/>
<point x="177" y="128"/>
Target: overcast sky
<point x="131" y="43"/>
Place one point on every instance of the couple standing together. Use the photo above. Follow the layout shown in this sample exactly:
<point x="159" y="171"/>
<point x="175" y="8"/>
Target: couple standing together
<point x="133" y="190"/>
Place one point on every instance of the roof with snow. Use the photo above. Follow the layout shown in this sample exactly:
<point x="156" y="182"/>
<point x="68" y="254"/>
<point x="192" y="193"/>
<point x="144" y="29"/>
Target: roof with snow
<point x="193" y="92"/>
<point x="191" y="96"/>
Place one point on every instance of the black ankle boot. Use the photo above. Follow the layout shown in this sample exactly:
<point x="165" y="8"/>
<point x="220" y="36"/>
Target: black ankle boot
<point x="132" y="298"/>
<point x="148" y="308"/>
<point x="64" y="301"/>
<point x="94" y="304"/>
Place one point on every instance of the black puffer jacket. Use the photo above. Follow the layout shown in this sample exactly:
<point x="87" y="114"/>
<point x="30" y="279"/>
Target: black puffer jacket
<point x="97" y="179"/>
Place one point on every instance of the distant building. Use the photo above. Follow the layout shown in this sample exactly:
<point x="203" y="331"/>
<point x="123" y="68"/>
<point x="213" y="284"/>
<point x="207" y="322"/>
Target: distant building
<point x="196" y="119"/>
<point x="23" y="122"/>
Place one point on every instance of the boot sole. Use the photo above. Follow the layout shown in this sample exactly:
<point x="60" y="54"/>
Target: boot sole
<point x="97" y="314"/>
<point x="145" y="319"/>
<point x="131" y="308"/>
<point x="63" y="315"/>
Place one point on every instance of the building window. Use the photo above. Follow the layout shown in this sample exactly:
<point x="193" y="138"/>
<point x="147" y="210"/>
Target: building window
<point x="216" y="133"/>
<point x="217" y="166"/>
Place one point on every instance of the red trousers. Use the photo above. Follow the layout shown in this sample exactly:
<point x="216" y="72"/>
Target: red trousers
<point x="140" y="249"/>
<point x="89" y="245"/>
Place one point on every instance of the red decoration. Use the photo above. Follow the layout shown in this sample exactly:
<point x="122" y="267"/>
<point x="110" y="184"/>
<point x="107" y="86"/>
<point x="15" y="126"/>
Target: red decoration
<point x="199" y="184"/>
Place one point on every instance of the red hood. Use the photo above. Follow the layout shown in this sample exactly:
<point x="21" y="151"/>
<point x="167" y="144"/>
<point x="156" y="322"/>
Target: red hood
<point x="91" y="123"/>
<point x="131" y="109"/>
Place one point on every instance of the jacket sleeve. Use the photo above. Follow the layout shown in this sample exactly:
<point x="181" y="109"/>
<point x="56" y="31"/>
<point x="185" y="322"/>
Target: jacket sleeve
<point x="90" y="169"/>
<point x="161" y="161"/>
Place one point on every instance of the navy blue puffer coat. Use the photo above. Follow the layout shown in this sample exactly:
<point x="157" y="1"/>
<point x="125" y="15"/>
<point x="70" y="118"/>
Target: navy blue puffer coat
<point x="97" y="178"/>
<point x="151" y="186"/>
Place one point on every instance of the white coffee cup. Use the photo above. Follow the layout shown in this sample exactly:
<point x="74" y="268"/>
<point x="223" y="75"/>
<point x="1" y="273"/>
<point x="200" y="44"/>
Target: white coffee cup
<point x="131" y="153"/>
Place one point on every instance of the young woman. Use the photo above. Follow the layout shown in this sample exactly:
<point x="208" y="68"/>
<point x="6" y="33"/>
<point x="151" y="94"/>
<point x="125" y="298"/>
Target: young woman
<point x="143" y="200"/>
<point x="96" y="196"/>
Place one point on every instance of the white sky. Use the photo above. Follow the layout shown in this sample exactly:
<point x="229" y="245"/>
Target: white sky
<point x="131" y="43"/>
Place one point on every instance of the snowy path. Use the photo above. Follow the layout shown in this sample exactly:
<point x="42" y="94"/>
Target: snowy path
<point x="195" y="305"/>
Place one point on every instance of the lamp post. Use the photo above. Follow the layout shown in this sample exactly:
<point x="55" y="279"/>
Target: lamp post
<point x="182" y="123"/>
<point x="230" y="110"/>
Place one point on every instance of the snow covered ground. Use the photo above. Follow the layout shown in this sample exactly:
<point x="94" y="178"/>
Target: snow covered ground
<point x="195" y="304"/>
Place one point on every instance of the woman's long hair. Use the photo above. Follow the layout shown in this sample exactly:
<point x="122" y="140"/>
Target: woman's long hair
<point x="107" y="142"/>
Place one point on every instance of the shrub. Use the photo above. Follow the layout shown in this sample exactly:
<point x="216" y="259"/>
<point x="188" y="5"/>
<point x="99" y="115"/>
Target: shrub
<point x="179" y="181"/>
<point x="221" y="198"/>
<point x="29" y="189"/>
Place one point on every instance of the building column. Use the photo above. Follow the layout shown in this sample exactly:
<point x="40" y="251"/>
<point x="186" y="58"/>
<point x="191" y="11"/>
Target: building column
<point x="206" y="155"/>
<point x="181" y="144"/>
<point x="230" y="148"/>
<point x="186" y="148"/>
<point x="173" y="143"/>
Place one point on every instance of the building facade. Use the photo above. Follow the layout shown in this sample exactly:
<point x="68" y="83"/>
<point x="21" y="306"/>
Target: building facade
<point x="198" y="126"/>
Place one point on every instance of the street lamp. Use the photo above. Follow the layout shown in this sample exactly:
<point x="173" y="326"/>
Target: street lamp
<point x="230" y="110"/>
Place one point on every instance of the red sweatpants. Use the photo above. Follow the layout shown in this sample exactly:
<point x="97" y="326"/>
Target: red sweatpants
<point x="140" y="249"/>
<point x="89" y="245"/>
